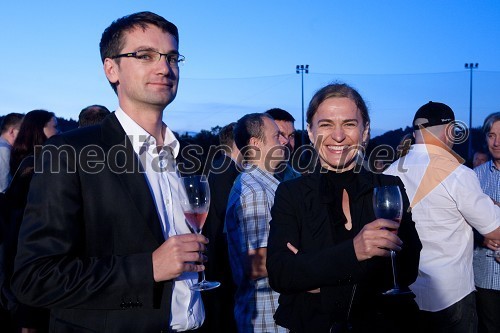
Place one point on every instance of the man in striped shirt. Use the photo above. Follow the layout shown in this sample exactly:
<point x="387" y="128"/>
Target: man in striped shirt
<point x="247" y="222"/>
<point x="486" y="268"/>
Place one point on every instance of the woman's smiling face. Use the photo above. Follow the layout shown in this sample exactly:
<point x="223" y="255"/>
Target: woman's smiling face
<point x="337" y="131"/>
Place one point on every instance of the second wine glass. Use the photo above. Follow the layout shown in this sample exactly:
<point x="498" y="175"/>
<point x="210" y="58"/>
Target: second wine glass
<point x="195" y="201"/>
<point x="388" y="204"/>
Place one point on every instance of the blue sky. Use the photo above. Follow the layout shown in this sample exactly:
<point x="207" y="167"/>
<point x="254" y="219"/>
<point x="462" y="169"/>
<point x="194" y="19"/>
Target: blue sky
<point x="241" y="56"/>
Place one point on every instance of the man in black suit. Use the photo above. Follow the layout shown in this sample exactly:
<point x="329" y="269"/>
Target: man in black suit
<point x="219" y="302"/>
<point x="104" y="243"/>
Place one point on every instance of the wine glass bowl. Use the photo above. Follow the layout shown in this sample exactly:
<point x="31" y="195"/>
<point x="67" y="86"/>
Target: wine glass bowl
<point x="388" y="204"/>
<point x="194" y="194"/>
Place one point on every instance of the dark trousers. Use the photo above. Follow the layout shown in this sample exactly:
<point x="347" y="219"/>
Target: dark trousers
<point x="488" y="310"/>
<point x="460" y="317"/>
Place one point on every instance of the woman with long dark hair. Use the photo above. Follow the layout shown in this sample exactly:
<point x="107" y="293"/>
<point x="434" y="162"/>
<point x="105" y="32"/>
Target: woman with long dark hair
<point x="36" y="128"/>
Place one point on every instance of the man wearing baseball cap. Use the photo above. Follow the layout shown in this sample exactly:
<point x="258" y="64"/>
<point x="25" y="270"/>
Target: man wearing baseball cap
<point x="446" y="202"/>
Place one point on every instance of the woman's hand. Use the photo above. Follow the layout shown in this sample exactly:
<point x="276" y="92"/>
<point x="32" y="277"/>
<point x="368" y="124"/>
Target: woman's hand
<point x="376" y="239"/>
<point x="295" y="251"/>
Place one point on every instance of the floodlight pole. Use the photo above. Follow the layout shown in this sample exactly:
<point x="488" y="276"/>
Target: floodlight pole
<point x="470" y="66"/>
<point x="301" y="69"/>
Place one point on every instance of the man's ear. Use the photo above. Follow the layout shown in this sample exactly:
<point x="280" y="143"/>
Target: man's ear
<point x="111" y="70"/>
<point x="254" y="142"/>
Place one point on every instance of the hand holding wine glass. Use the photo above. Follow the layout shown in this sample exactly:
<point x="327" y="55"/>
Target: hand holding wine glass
<point x="195" y="201"/>
<point x="388" y="204"/>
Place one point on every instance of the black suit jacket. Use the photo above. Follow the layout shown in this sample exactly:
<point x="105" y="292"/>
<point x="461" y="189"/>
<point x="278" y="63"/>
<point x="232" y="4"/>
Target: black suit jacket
<point x="86" y="241"/>
<point x="301" y="215"/>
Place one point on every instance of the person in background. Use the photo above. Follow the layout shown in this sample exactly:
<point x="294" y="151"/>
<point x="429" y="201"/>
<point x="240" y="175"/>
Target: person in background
<point x="36" y="128"/>
<point x="479" y="158"/>
<point x="247" y="222"/>
<point x="219" y="302"/>
<point x="285" y="122"/>
<point x="327" y="252"/>
<point x="92" y="115"/>
<point x="9" y="128"/>
<point x="105" y="236"/>
<point x="446" y="202"/>
<point x="486" y="268"/>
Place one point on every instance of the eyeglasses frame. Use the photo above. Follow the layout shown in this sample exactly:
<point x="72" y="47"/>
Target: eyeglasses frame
<point x="166" y="55"/>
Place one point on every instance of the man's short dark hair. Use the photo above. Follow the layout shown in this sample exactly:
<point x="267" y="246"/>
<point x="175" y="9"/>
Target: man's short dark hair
<point x="249" y="126"/>
<point x="12" y="119"/>
<point x="280" y="114"/>
<point x="92" y="115"/>
<point x="112" y="38"/>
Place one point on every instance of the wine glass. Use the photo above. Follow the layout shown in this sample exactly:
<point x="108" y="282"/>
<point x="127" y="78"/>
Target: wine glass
<point x="195" y="201"/>
<point x="388" y="204"/>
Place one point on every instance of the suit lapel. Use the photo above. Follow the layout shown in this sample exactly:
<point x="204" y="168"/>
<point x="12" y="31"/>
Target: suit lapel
<point x="125" y="165"/>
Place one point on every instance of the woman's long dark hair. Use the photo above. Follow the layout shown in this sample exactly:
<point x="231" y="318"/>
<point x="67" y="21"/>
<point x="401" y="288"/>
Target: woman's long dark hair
<point x="30" y="135"/>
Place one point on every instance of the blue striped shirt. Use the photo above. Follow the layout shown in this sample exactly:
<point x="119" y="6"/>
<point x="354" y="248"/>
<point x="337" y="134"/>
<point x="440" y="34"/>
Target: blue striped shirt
<point x="247" y="225"/>
<point x="486" y="268"/>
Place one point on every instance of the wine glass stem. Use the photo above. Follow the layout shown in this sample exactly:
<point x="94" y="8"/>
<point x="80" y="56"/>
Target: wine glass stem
<point x="202" y="275"/>
<point x="394" y="270"/>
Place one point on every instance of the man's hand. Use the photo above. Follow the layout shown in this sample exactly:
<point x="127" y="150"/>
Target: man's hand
<point x="492" y="244"/>
<point x="179" y="254"/>
<point x="257" y="263"/>
<point x="375" y="240"/>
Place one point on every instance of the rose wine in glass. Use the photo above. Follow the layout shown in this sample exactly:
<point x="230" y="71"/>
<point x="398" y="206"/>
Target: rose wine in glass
<point x="388" y="204"/>
<point x="195" y="201"/>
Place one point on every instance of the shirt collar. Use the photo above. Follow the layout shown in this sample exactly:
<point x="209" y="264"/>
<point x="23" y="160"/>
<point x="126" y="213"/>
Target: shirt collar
<point x="140" y="138"/>
<point x="5" y="142"/>
<point x="259" y="173"/>
<point x="491" y="166"/>
<point x="436" y="150"/>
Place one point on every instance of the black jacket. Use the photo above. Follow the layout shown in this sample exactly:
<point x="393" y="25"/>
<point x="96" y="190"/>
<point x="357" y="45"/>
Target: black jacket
<point x="87" y="237"/>
<point x="301" y="215"/>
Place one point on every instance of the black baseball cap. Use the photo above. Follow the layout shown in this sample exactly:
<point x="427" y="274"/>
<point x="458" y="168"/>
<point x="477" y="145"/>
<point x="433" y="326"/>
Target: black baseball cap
<point x="435" y="113"/>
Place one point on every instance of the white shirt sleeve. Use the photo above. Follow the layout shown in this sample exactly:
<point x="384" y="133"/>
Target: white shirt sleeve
<point x="476" y="207"/>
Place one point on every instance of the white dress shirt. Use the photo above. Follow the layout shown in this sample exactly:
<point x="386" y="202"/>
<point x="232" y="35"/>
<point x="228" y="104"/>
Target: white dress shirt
<point x="187" y="308"/>
<point x="452" y="202"/>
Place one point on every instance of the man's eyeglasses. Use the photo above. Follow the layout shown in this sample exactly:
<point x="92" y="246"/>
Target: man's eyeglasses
<point x="150" y="56"/>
